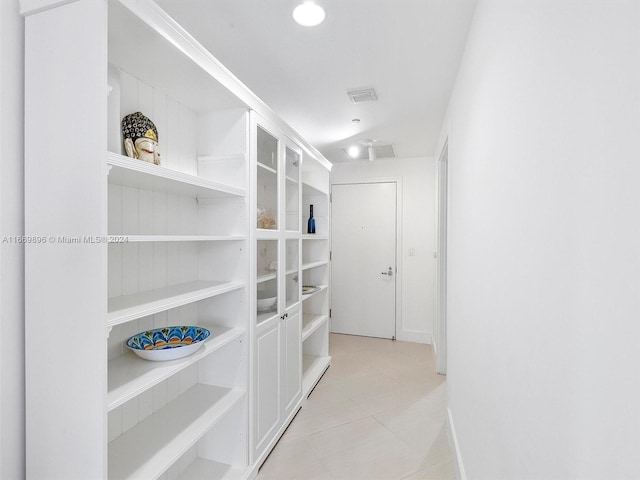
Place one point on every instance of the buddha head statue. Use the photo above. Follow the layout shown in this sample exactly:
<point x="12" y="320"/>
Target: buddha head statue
<point x="140" y="138"/>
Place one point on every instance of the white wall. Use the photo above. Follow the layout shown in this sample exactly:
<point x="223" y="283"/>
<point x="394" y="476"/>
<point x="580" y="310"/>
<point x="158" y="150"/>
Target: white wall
<point x="11" y="254"/>
<point x="418" y="232"/>
<point x="544" y="256"/>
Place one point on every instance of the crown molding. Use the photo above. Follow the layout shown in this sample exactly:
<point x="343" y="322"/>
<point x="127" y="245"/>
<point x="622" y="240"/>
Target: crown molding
<point x="30" y="7"/>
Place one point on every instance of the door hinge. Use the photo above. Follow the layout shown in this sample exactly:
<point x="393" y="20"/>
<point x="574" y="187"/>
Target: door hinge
<point x="329" y="313"/>
<point x="330" y="253"/>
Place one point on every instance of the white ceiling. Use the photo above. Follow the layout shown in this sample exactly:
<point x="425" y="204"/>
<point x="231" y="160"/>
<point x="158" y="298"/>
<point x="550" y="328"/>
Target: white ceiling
<point x="408" y="50"/>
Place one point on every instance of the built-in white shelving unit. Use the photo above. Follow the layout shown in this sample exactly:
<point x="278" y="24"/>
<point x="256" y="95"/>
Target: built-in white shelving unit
<point x="316" y="273"/>
<point x="130" y="246"/>
<point x="178" y="255"/>
<point x="277" y="385"/>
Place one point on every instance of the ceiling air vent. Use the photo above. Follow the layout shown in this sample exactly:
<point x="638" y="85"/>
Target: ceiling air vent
<point x="359" y="96"/>
<point x="384" y="151"/>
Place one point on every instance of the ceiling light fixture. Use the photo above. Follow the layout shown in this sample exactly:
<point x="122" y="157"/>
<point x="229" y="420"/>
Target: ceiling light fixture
<point x="353" y="151"/>
<point x="372" y="153"/>
<point x="308" y="14"/>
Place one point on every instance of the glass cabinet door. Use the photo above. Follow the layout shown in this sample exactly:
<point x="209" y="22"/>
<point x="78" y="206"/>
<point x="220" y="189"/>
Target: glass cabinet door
<point x="292" y="279"/>
<point x="267" y="279"/>
<point x="292" y="189"/>
<point x="267" y="180"/>
<point x="268" y="219"/>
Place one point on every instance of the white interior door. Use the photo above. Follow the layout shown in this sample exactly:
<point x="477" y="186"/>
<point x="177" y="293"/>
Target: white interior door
<point x="363" y="245"/>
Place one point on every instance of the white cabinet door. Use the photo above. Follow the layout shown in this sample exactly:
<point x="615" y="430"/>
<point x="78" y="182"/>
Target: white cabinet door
<point x="267" y="395"/>
<point x="291" y="361"/>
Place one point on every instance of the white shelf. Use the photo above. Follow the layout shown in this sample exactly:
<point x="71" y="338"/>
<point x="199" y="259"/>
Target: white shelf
<point x="314" y="236"/>
<point x="129" y="307"/>
<point x="291" y="302"/>
<point x="138" y="174"/>
<point x="130" y="375"/>
<point x="267" y="234"/>
<point x="175" y="238"/>
<point x="153" y="445"/>
<point x="307" y="266"/>
<point x="313" y="368"/>
<point x="265" y="276"/>
<point x="203" y="468"/>
<point x="292" y="180"/>
<point x="309" y="295"/>
<point x="311" y="322"/>
<point x="266" y="168"/>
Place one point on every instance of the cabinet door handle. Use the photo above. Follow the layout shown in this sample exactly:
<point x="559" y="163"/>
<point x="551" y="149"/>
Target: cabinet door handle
<point x="389" y="273"/>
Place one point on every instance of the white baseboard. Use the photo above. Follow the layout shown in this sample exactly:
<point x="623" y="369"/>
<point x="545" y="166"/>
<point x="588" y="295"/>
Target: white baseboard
<point x="458" y="466"/>
<point x="415" y="337"/>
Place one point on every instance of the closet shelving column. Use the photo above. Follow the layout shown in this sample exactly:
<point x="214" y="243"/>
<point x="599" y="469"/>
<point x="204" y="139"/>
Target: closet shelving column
<point x="315" y="273"/>
<point x="277" y="382"/>
<point x="187" y="263"/>
<point x="177" y="267"/>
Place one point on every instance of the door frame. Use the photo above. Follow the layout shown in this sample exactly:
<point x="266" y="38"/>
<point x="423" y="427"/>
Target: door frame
<point x="441" y="260"/>
<point x="398" y="300"/>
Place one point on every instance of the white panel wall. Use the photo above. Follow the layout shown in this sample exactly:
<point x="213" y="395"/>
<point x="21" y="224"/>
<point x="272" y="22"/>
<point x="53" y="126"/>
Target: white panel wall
<point x="418" y="272"/>
<point x="544" y="258"/>
<point x="12" y="455"/>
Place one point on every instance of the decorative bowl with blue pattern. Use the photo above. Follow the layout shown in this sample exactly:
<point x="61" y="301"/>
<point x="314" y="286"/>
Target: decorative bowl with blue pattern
<point x="168" y="343"/>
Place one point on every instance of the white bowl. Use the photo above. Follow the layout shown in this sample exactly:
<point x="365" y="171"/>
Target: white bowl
<point x="266" y="301"/>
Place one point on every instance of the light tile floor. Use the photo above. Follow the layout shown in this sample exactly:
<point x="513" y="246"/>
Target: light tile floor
<point x="377" y="414"/>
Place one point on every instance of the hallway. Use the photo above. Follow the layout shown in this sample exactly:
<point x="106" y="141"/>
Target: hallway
<point x="378" y="413"/>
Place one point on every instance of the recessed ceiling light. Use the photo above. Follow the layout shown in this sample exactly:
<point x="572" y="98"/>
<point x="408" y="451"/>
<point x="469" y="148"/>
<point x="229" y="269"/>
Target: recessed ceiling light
<point x="353" y="151"/>
<point x="308" y="14"/>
